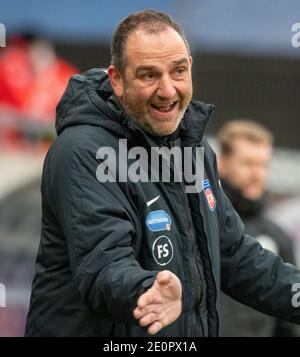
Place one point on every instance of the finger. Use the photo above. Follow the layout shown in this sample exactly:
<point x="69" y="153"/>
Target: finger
<point x="147" y="319"/>
<point x="146" y="299"/>
<point x="143" y="301"/>
<point x="137" y="313"/>
<point x="155" y="328"/>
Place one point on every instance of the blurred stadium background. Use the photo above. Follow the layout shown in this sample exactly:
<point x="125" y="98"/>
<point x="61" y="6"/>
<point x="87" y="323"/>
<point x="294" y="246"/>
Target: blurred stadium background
<point x="244" y="63"/>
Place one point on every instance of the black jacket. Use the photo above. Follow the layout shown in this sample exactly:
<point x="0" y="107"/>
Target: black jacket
<point x="99" y="245"/>
<point x="239" y="320"/>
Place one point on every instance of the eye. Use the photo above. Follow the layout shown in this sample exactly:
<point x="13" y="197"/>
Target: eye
<point x="180" y="72"/>
<point x="148" y="76"/>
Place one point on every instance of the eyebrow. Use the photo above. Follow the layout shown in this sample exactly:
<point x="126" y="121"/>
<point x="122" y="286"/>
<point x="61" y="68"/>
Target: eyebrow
<point x="183" y="60"/>
<point x="140" y="68"/>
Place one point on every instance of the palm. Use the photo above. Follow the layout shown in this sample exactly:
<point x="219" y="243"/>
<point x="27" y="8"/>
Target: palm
<point x="161" y="304"/>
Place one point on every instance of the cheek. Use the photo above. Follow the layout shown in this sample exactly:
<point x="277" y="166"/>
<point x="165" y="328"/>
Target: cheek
<point x="263" y="175"/>
<point x="240" y="174"/>
<point x="141" y="95"/>
<point x="184" y="90"/>
<point x="187" y="89"/>
<point x="247" y="173"/>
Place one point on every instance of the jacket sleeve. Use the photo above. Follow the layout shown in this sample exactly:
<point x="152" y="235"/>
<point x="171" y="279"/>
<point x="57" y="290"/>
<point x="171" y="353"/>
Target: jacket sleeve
<point x="97" y="222"/>
<point x="255" y="276"/>
<point x="286" y="251"/>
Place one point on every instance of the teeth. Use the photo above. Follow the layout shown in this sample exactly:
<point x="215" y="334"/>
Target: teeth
<point x="163" y="105"/>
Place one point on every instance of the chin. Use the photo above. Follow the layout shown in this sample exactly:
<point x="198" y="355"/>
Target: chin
<point x="164" y="131"/>
<point x="254" y="196"/>
<point x="167" y="129"/>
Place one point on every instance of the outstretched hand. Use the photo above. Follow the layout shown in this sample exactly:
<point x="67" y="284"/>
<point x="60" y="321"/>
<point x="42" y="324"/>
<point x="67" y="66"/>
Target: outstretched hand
<point x="160" y="305"/>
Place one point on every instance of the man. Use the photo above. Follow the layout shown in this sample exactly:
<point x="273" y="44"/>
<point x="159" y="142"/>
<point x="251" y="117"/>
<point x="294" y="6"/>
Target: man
<point x="244" y="162"/>
<point x="126" y="257"/>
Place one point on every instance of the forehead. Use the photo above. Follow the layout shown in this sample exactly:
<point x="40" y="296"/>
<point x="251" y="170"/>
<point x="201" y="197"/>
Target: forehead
<point x="245" y="147"/>
<point x="143" y="47"/>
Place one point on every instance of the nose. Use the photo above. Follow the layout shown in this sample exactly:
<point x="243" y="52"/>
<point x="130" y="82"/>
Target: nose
<point x="166" y="88"/>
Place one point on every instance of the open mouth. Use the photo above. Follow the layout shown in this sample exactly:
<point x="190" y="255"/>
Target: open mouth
<point x="164" y="108"/>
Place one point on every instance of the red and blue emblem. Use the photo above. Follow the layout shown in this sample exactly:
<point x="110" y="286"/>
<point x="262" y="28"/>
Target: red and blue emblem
<point x="209" y="195"/>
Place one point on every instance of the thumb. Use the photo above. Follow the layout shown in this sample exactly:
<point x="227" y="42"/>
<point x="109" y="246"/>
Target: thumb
<point x="164" y="277"/>
<point x="168" y="281"/>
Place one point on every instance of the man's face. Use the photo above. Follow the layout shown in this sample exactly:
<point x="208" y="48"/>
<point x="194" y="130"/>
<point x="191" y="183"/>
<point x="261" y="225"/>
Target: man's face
<point x="156" y="87"/>
<point x="247" y="167"/>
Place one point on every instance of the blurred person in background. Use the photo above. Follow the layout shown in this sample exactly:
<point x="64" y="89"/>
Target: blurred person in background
<point x="244" y="163"/>
<point x="32" y="80"/>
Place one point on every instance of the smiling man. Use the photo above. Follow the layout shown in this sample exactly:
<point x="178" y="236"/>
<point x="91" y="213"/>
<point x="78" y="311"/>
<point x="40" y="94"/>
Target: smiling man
<point x="137" y="257"/>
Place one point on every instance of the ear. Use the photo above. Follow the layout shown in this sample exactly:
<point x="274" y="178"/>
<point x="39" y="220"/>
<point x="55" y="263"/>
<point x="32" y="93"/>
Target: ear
<point x="191" y="60"/>
<point x="116" y="80"/>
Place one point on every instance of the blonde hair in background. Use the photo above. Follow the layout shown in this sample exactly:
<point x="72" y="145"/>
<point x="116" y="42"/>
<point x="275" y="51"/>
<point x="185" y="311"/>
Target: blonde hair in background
<point x="242" y="129"/>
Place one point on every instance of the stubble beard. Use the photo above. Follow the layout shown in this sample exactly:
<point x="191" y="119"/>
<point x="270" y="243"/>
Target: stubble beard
<point x="138" y="114"/>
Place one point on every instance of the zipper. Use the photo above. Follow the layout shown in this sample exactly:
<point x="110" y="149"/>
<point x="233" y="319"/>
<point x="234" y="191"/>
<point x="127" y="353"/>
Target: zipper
<point x="213" y="274"/>
<point x="195" y="271"/>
